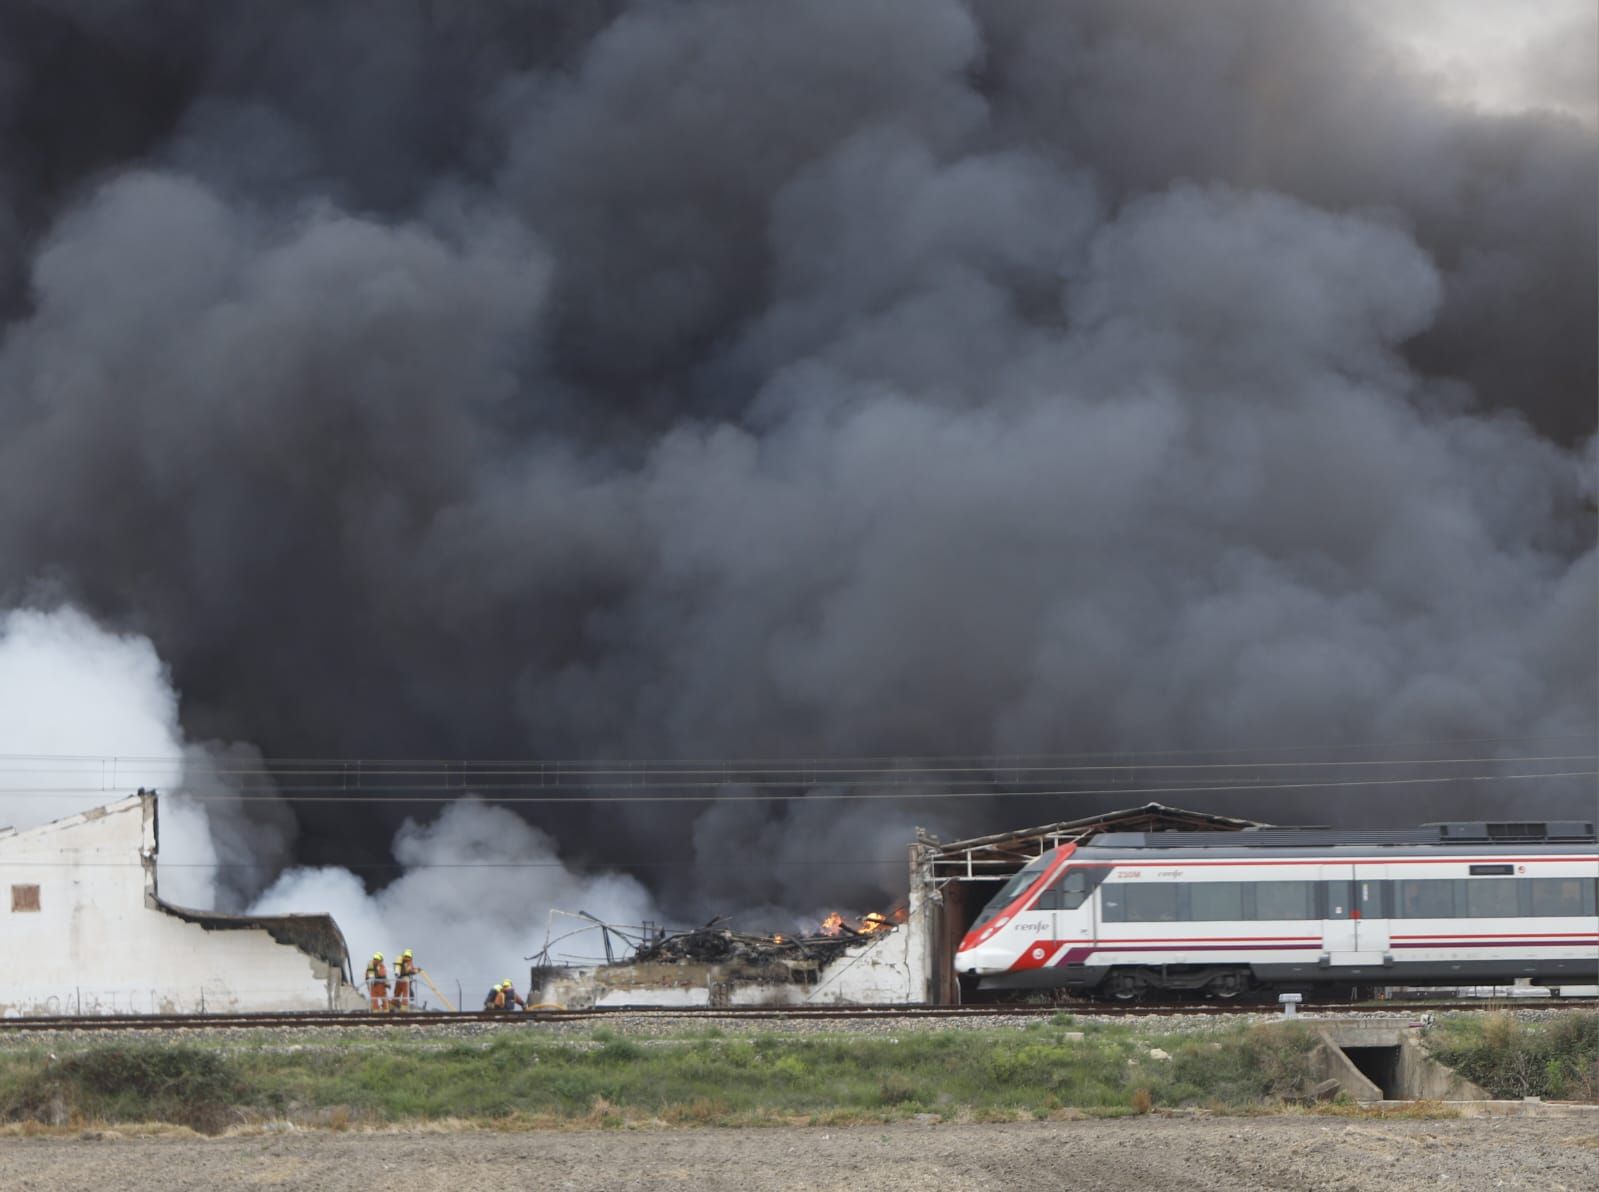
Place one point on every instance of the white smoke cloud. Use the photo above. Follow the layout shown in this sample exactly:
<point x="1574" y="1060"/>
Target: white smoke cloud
<point x="475" y="897"/>
<point x="83" y="712"/>
<point x="87" y="716"/>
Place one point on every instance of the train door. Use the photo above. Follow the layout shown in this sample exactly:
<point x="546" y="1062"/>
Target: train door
<point x="1074" y="906"/>
<point x="1371" y="928"/>
<point x="1342" y="918"/>
<point x="1355" y="930"/>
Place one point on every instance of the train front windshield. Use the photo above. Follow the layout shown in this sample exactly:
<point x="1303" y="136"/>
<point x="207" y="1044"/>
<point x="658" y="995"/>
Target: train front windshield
<point x="1011" y="889"/>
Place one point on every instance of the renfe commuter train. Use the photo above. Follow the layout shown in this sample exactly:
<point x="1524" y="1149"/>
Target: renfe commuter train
<point x="1224" y="913"/>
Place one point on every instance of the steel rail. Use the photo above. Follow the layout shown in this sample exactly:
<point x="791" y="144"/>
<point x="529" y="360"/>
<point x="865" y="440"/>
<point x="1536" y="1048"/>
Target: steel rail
<point x="362" y="1019"/>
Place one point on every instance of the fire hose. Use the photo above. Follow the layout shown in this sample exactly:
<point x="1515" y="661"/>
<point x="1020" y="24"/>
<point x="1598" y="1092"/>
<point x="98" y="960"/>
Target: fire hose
<point x="423" y="973"/>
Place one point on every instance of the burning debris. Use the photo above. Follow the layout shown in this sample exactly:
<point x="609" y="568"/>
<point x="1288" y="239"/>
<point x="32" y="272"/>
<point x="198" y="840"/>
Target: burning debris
<point x="709" y="965"/>
<point x="713" y="944"/>
<point x="872" y="923"/>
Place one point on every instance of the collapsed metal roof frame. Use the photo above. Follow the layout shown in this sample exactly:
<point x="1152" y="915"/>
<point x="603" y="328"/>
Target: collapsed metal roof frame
<point x="314" y="933"/>
<point x="995" y="857"/>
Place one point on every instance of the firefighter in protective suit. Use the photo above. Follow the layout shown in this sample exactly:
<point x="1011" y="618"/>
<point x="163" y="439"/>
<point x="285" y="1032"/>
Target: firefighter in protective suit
<point x="377" y="983"/>
<point x="503" y="997"/>
<point x="404" y="980"/>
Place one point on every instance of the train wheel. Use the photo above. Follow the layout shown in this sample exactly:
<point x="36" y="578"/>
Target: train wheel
<point x="1124" y="987"/>
<point x="1228" y="985"/>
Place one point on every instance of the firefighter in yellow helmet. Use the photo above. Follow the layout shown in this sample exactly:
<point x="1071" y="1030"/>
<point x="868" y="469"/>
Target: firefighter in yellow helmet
<point x="377" y="983"/>
<point x="404" y="981"/>
<point x="503" y="997"/>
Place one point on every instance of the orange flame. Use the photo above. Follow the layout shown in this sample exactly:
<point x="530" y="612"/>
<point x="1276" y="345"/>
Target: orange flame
<point x="869" y="924"/>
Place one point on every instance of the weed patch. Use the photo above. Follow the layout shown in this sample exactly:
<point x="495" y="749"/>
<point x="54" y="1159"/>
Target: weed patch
<point x="1509" y="1058"/>
<point x="183" y="1085"/>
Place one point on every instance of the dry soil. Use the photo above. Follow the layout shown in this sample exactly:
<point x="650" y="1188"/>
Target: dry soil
<point x="1134" y="1153"/>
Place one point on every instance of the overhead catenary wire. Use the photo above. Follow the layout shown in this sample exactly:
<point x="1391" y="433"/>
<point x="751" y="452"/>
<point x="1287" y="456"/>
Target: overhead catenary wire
<point x="1001" y="760"/>
<point x="497" y="795"/>
<point x="777" y="775"/>
<point x="780" y="770"/>
<point x="589" y="863"/>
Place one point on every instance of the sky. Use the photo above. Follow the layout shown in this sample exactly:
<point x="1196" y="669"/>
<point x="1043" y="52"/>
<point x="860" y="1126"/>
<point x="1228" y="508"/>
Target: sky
<point x="1505" y="56"/>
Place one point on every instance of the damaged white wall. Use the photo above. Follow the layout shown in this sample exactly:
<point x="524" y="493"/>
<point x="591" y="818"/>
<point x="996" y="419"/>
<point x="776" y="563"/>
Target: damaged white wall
<point x="895" y="967"/>
<point x="85" y="933"/>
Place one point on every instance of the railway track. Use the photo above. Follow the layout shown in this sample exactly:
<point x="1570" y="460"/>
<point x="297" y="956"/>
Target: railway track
<point x="359" y="1019"/>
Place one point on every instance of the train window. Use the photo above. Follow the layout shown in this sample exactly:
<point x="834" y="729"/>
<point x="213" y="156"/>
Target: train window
<point x="1555" y="896"/>
<point x="1213" y="902"/>
<point x="1423" y="899"/>
<point x="1338" y="904"/>
<point x="1011" y="889"/>
<point x="1285" y="900"/>
<point x="1067" y="892"/>
<point x="1150" y="902"/>
<point x="1494" y="899"/>
<point x="1073" y="890"/>
<point x="1370" y="896"/>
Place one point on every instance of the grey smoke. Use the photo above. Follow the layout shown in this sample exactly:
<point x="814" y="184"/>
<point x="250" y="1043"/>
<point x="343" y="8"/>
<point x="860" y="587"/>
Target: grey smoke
<point x="761" y="379"/>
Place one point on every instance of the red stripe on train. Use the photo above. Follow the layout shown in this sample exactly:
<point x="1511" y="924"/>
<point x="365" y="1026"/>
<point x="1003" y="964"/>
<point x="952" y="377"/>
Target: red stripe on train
<point x="1174" y="864"/>
<point x="1504" y="935"/>
<point x="1456" y="943"/>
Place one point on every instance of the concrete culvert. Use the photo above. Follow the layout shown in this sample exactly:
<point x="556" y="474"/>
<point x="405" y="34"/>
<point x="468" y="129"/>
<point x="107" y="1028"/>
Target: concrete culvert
<point x="1387" y="1064"/>
<point x="1380" y="1065"/>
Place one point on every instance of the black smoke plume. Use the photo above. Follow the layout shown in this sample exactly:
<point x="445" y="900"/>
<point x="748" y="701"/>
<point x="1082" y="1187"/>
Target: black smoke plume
<point x="700" y="378"/>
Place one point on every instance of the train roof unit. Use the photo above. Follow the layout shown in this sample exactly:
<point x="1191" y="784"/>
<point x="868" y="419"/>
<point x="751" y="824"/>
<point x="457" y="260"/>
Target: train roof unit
<point x="1470" y="834"/>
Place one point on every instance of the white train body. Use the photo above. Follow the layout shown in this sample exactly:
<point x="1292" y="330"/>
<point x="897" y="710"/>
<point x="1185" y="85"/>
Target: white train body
<point x="1226" y="912"/>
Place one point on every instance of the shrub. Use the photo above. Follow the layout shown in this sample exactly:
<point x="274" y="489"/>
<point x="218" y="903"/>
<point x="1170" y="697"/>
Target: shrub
<point x="619" y="1051"/>
<point x="896" y="1090"/>
<point x="185" y="1085"/>
<point x="1264" y="1062"/>
<point x="1513" y="1059"/>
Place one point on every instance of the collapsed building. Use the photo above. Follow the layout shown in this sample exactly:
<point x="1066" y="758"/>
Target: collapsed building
<point x="87" y="932"/>
<point x="874" y="961"/>
<point x="906" y="958"/>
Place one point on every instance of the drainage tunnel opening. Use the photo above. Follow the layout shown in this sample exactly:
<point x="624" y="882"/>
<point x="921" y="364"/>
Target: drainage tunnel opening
<point x="1380" y="1065"/>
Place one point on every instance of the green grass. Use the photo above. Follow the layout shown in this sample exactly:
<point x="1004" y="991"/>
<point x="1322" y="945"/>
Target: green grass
<point x="181" y="1085"/>
<point x="1558" y="1058"/>
<point x="697" y="1078"/>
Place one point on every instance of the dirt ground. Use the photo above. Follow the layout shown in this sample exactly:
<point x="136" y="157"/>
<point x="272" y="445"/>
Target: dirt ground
<point x="1131" y="1153"/>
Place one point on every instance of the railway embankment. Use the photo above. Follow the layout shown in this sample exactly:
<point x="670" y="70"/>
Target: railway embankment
<point x="690" y="1073"/>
